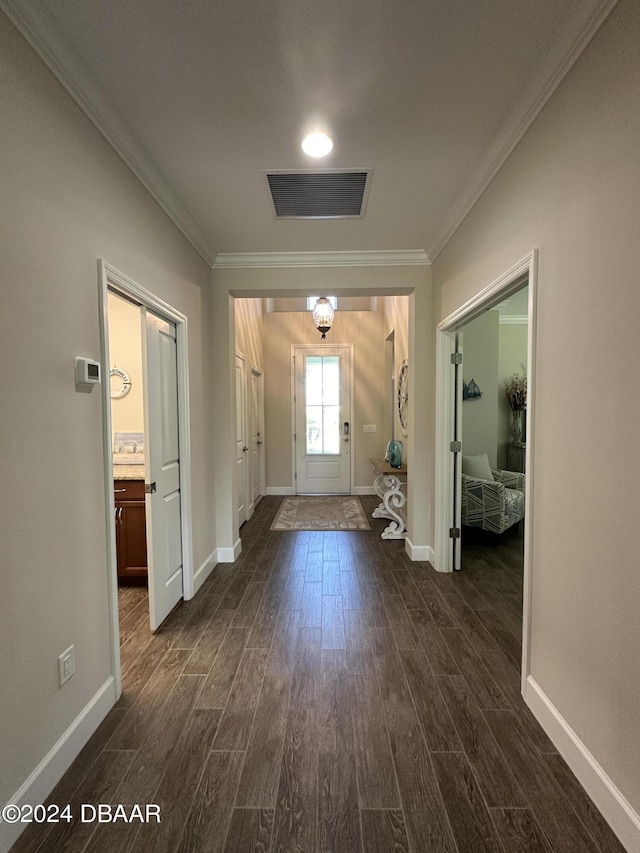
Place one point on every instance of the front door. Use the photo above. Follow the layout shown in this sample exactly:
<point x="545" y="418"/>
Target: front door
<point x="323" y="419"/>
<point x="164" y="523"/>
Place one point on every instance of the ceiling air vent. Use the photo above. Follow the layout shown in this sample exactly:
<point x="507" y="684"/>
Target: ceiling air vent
<point x="324" y="194"/>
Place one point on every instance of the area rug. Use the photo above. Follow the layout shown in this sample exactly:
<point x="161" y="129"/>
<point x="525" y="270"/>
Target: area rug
<point x="326" y="512"/>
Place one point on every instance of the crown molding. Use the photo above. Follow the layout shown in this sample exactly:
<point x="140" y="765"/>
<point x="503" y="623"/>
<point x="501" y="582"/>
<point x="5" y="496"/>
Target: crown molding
<point x="576" y="32"/>
<point x="42" y="32"/>
<point x="513" y="320"/>
<point x="266" y="260"/>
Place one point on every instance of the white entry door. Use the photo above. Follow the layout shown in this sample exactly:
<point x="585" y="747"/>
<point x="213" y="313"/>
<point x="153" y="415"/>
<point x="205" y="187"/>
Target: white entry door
<point x="256" y="467"/>
<point x="164" y="523"/>
<point x="323" y="419"/>
<point x="242" y="448"/>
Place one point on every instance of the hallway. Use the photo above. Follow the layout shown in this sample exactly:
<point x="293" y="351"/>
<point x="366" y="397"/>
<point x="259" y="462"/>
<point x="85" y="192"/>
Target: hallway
<point x="326" y="694"/>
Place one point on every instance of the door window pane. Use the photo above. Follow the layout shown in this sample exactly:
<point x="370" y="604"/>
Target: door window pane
<point x="322" y="401"/>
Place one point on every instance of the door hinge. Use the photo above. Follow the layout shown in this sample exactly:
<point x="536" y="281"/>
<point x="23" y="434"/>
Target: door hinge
<point x="454" y="533"/>
<point x="150" y="488"/>
<point x="456" y="358"/>
<point x="455" y="446"/>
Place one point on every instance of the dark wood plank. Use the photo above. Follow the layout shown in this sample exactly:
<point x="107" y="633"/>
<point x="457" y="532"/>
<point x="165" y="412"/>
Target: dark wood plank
<point x="351" y="595"/>
<point x="331" y="577"/>
<point x="210" y="815"/>
<point x="384" y="832"/>
<point x="440" y="659"/>
<point x="470" y="821"/>
<point x="202" y="657"/>
<point x="217" y="685"/>
<point x="495" y="777"/>
<point x="560" y="824"/>
<point x="141" y="717"/>
<point x="583" y="806"/>
<point x="265" y="621"/>
<point x="311" y="610"/>
<point x="333" y="636"/>
<point x="248" y="607"/>
<point x="374" y="764"/>
<point x="145" y="774"/>
<point x="510" y="645"/>
<point x="236" y="590"/>
<point x="436" y="604"/>
<point x="486" y="691"/>
<point x="179" y="784"/>
<point x="519" y="831"/>
<point x="250" y="831"/>
<point x="261" y="772"/>
<point x="470" y="623"/>
<point x="408" y="590"/>
<point x="400" y="622"/>
<point x="313" y="573"/>
<point x="338" y="813"/>
<point x="235" y="725"/>
<point x="437" y="726"/>
<point x="282" y="656"/>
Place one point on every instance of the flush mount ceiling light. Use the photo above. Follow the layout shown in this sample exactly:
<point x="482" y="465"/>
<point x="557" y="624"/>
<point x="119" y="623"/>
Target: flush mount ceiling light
<point x="317" y="145"/>
<point x="323" y="315"/>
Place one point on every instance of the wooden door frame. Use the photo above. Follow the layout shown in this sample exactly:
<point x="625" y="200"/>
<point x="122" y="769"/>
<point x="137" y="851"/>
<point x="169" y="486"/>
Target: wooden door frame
<point x="315" y="348"/>
<point x="109" y="278"/>
<point x="509" y="282"/>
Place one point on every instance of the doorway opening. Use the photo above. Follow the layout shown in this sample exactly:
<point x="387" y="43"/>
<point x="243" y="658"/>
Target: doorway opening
<point x="459" y="481"/>
<point x="147" y="472"/>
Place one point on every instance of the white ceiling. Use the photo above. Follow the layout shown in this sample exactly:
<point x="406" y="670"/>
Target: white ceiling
<point x="202" y="96"/>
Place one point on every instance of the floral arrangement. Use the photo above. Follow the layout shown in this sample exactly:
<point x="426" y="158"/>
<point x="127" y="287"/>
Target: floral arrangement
<point x="516" y="391"/>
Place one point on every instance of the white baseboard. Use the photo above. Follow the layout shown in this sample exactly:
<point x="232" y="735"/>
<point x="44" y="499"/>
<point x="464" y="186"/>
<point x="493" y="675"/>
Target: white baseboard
<point x="205" y="570"/>
<point x="612" y="804"/>
<point x="363" y="490"/>
<point x="280" y="490"/>
<point x="419" y="553"/>
<point x="230" y="555"/>
<point x="57" y="761"/>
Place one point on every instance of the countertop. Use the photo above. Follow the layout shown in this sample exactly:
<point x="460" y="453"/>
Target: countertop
<point x="128" y="472"/>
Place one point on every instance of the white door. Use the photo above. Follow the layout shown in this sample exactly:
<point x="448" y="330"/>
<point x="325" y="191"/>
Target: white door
<point x="241" y="440"/>
<point x="323" y="419"/>
<point x="164" y="524"/>
<point x="256" y="467"/>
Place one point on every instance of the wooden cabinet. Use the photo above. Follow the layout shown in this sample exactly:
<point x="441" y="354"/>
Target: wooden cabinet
<point x="131" y="531"/>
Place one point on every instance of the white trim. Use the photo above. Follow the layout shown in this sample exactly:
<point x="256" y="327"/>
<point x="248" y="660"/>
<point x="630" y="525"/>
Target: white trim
<point x="623" y="819"/>
<point x="230" y="555"/>
<point x="419" y="553"/>
<point x="46" y="37"/>
<point x="280" y="490"/>
<point x="269" y="260"/>
<point x="513" y="320"/>
<point x="507" y="283"/>
<point x="363" y="490"/>
<point x="570" y="40"/>
<point x="205" y="570"/>
<point x="57" y="761"/>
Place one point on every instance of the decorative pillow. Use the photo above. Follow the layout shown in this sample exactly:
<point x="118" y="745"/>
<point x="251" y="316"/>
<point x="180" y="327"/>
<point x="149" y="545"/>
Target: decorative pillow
<point x="477" y="467"/>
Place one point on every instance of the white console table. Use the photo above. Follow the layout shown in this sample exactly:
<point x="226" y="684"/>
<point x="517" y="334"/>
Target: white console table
<point x="388" y="485"/>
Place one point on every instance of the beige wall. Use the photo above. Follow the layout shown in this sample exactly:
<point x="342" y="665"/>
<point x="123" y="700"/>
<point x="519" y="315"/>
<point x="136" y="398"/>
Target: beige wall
<point x="67" y="200"/>
<point x="125" y="352"/>
<point x="363" y="329"/>
<point x="571" y="189"/>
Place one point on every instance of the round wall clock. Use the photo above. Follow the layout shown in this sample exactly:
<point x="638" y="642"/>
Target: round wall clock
<point x="123" y="388"/>
<point x="403" y="397"/>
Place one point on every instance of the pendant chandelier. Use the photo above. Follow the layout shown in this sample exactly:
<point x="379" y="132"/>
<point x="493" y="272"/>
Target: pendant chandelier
<point x="323" y="315"/>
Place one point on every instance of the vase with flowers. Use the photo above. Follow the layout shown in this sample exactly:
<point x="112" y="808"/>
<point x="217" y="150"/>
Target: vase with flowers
<point x="516" y="391"/>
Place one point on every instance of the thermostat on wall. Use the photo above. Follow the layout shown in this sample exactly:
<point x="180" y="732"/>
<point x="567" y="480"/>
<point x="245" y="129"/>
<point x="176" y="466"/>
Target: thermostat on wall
<point x="87" y="373"/>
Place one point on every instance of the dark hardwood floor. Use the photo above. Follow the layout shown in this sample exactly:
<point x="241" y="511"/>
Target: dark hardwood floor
<point x="326" y="694"/>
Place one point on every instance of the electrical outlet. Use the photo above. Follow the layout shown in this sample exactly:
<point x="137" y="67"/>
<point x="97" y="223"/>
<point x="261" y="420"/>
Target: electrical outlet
<point x="369" y="428"/>
<point x="66" y="665"/>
